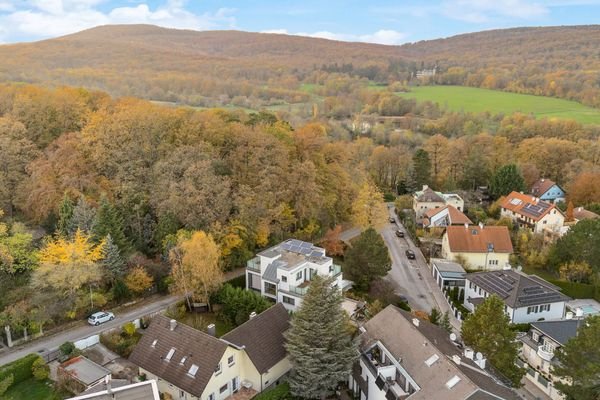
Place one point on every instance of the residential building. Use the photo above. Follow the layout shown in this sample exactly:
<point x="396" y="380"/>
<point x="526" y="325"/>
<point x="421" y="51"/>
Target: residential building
<point x="539" y="347"/>
<point x="548" y="190"/>
<point x="402" y="357"/>
<point x="447" y="273"/>
<point x="532" y="213"/>
<point x="444" y="216"/>
<point x="478" y="246"/>
<point x="283" y="272"/>
<point x="580" y="214"/>
<point x="428" y="199"/>
<point x="147" y="390"/>
<point x="192" y="365"/>
<point x="527" y="298"/>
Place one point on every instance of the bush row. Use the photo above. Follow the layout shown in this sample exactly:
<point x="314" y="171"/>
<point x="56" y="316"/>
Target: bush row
<point x="20" y="369"/>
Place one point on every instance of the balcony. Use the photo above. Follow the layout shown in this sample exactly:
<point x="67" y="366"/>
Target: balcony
<point x="545" y="353"/>
<point x="298" y="290"/>
<point x="253" y="265"/>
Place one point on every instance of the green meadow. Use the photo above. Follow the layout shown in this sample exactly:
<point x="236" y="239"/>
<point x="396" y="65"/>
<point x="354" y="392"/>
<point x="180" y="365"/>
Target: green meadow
<point x="468" y="99"/>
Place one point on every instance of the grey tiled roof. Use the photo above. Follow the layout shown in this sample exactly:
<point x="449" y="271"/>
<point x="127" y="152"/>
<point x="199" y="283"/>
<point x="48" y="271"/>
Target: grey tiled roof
<point x="262" y="337"/>
<point x="517" y="289"/>
<point x="559" y="331"/>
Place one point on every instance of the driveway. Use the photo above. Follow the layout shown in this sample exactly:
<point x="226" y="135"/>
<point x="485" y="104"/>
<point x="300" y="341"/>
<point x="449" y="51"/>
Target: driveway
<point x="47" y="344"/>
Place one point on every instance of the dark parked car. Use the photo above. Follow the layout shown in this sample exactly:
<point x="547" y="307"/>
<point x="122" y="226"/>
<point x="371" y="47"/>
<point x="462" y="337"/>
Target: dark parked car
<point x="400" y="234"/>
<point x="410" y="254"/>
<point x="392" y="220"/>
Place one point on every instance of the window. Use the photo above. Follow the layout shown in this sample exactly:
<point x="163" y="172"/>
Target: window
<point x="181" y="393"/>
<point x="299" y="275"/>
<point x="223" y="389"/>
<point x="230" y="361"/>
<point x="535" y="336"/>
<point x="192" y="371"/>
<point x="170" y="354"/>
<point x="183" y="360"/>
<point x="289" y="300"/>
<point x="545" y="307"/>
<point x="529" y="310"/>
<point x="283" y="278"/>
<point x="218" y="369"/>
<point x="154" y="342"/>
<point x="470" y="285"/>
<point x="211" y="396"/>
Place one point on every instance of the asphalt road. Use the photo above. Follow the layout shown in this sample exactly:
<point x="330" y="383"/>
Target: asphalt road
<point x="47" y="344"/>
<point x="407" y="275"/>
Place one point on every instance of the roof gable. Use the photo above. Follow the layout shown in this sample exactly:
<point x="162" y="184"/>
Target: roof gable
<point x="542" y="186"/>
<point x="262" y="337"/>
<point x="198" y="348"/>
<point x="477" y="239"/>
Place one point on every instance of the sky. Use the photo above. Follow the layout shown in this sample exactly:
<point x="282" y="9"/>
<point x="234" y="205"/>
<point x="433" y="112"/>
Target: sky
<point x="375" y="21"/>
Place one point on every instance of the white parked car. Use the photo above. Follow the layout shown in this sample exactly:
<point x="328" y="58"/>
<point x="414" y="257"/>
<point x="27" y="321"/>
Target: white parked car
<point x="100" y="318"/>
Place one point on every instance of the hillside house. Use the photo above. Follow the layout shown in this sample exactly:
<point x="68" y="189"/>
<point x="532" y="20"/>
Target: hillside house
<point x="283" y="272"/>
<point x="527" y="298"/>
<point x="192" y="365"/>
<point x="402" y="357"/>
<point x="480" y="247"/>
<point x="539" y="346"/>
<point x="547" y="190"/>
<point x="531" y="213"/>
<point x="428" y="199"/>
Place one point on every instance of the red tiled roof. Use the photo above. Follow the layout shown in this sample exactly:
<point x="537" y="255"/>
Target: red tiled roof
<point x="526" y="205"/>
<point x="474" y="239"/>
<point x="456" y="217"/>
<point x="542" y="186"/>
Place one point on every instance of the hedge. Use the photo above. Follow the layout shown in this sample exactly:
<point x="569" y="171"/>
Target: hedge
<point x="578" y="290"/>
<point x="280" y="392"/>
<point x="20" y="369"/>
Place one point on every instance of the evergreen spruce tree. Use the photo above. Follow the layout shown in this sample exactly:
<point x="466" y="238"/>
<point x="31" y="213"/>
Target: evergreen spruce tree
<point x="65" y="216"/>
<point x="445" y="322"/>
<point x="421" y="169"/>
<point x="435" y="316"/>
<point x="84" y="217"/>
<point x="109" y="222"/>
<point x="507" y="179"/>
<point x="113" y="263"/>
<point x="319" y="344"/>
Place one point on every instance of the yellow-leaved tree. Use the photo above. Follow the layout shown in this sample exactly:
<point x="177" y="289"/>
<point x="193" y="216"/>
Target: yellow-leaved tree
<point x="368" y="209"/>
<point x="138" y="280"/>
<point x="66" y="265"/>
<point x="195" y="267"/>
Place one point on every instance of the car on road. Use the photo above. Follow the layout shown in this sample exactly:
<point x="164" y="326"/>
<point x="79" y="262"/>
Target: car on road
<point x="100" y="318"/>
<point x="403" y="298"/>
<point x="392" y="220"/>
<point x="399" y="233"/>
<point x="410" y="254"/>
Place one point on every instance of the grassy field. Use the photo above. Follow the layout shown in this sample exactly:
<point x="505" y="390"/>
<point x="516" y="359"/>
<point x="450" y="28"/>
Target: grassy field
<point x="460" y="98"/>
<point x="31" y="390"/>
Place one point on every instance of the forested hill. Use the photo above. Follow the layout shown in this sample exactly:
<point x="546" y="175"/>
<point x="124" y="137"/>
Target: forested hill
<point x="199" y="67"/>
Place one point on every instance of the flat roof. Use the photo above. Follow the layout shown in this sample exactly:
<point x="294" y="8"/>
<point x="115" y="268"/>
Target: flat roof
<point x="146" y="390"/>
<point x="84" y="370"/>
<point x="443" y="265"/>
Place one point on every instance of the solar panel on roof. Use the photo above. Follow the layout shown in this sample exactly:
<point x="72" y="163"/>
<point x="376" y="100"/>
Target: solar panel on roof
<point x="306" y="245"/>
<point x="315" y="254"/>
<point x="305" y="251"/>
<point x="286" y="246"/>
<point x="295" y="249"/>
<point x="296" y="242"/>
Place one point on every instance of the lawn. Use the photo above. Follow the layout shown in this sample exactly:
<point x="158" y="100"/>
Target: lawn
<point x="460" y="98"/>
<point x="201" y="320"/>
<point x="31" y="390"/>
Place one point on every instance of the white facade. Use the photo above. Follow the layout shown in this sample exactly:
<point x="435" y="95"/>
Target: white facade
<point x="454" y="200"/>
<point x="283" y="272"/>
<point x="553" y="220"/>
<point x="532" y="313"/>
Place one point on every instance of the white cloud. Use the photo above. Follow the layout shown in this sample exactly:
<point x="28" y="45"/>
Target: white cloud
<point x="482" y="11"/>
<point x="39" y="19"/>
<point x="383" y="36"/>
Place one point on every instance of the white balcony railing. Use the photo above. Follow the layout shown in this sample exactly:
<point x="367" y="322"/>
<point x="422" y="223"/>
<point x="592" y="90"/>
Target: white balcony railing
<point x="545" y="353"/>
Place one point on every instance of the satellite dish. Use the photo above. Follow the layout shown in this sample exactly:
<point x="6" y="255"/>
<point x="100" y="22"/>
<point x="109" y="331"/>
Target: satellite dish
<point x="453" y="336"/>
<point x="479" y="356"/>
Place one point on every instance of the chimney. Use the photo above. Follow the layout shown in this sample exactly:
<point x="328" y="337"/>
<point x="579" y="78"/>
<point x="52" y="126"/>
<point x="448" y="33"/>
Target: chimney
<point x="456" y="359"/>
<point x="469" y="353"/>
<point x="107" y="383"/>
<point x="579" y="312"/>
<point x="415" y="321"/>
<point x="480" y="363"/>
<point x="579" y="209"/>
<point x="425" y="187"/>
<point x="173" y="324"/>
<point x="481" y="225"/>
<point x="211" y="330"/>
<point x="252" y="314"/>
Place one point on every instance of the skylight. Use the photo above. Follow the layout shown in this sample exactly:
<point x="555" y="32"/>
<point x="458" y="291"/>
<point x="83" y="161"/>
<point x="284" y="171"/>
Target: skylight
<point x="154" y="342"/>
<point x="183" y="360"/>
<point x="193" y="370"/>
<point x="515" y="201"/>
<point x="452" y="382"/>
<point x="170" y="354"/>
<point x="431" y="360"/>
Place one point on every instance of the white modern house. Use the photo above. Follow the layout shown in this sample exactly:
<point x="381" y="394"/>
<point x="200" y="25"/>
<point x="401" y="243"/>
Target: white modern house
<point x="539" y="347"/>
<point x="283" y="272"/>
<point x="527" y="298"/>
<point x="447" y="273"/>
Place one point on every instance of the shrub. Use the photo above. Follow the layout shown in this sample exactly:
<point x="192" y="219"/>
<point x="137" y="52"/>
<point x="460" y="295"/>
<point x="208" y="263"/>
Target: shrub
<point x="40" y="370"/>
<point x="388" y="197"/>
<point x="67" y="348"/>
<point x="20" y="369"/>
<point x="129" y="329"/>
<point x="120" y="343"/>
<point x="5" y="383"/>
<point x="239" y="303"/>
<point x="280" y="392"/>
